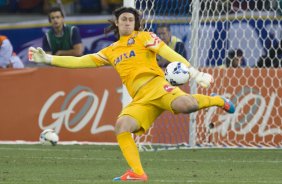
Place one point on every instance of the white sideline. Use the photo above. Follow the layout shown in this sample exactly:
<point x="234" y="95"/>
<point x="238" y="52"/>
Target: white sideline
<point x="167" y="146"/>
<point x="113" y="159"/>
<point x="60" y="142"/>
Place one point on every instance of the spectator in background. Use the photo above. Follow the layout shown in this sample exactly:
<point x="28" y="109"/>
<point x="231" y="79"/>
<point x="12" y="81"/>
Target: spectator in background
<point x="164" y="32"/>
<point x="272" y="57"/>
<point x="235" y="58"/>
<point x="6" y="51"/>
<point x="16" y="62"/>
<point x="62" y="39"/>
<point x="8" y="59"/>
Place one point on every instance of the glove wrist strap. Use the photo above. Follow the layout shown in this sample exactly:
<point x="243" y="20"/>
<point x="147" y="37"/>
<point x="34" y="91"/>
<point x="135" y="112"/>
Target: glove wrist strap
<point x="48" y="59"/>
<point x="193" y="72"/>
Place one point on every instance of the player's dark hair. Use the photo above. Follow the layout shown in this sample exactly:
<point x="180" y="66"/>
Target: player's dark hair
<point x="117" y="13"/>
<point x="231" y="55"/>
<point x="55" y="9"/>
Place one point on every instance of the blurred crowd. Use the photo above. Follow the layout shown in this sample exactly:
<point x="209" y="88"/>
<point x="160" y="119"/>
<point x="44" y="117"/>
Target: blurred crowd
<point x="211" y="7"/>
<point x="217" y="7"/>
<point x="70" y="6"/>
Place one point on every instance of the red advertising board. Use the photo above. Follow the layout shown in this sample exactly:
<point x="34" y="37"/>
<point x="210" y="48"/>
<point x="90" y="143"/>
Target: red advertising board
<point x="257" y="94"/>
<point x="80" y="104"/>
<point x="83" y="104"/>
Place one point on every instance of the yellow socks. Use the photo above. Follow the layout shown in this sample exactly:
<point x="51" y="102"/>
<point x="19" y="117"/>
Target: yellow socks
<point x="208" y="101"/>
<point x="130" y="152"/>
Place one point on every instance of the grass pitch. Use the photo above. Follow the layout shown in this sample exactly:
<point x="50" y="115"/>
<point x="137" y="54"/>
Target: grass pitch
<point x="90" y="164"/>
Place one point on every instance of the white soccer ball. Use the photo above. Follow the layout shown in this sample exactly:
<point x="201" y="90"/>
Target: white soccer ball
<point x="49" y="136"/>
<point x="176" y="73"/>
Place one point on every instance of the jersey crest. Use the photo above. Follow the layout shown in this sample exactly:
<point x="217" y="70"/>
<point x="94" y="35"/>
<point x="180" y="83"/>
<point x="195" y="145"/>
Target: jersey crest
<point x="130" y="41"/>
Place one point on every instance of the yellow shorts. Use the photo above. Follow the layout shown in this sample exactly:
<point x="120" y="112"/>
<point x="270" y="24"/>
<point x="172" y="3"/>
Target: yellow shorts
<point x="150" y="101"/>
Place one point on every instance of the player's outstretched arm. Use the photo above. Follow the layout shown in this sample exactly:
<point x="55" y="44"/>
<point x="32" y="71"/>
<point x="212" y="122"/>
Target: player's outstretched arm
<point x="204" y="79"/>
<point x="38" y="55"/>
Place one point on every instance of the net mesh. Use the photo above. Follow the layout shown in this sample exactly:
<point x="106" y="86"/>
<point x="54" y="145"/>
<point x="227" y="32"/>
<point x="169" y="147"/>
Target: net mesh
<point x="239" y="43"/>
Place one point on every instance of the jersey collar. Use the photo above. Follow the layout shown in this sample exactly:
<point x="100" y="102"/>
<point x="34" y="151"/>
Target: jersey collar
<point x="126" y="38"/>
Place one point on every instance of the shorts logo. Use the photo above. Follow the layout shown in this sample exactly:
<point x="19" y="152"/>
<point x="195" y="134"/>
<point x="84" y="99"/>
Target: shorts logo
<point x="168" y="88"/>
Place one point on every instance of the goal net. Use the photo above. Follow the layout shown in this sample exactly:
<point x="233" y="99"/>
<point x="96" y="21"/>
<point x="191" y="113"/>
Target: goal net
<point x="217" y="35"/>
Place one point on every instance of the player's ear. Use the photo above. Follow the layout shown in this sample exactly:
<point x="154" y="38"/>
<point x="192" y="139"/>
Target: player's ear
<point x="49" y="19"/>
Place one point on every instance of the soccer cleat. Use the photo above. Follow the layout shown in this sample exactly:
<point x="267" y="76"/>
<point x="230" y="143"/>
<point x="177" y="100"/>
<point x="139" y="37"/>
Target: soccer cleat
<point x="131" y="176"/>
<point x="228" y="104"/>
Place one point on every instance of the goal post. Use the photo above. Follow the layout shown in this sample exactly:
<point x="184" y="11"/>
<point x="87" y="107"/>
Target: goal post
<point x="217" y="35"/>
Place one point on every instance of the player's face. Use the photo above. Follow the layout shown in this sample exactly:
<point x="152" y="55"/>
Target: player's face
<point x="125" y="24"/>
<point x="164" y="34"/>
<point x="237" y="61"/>
<point x="56" y="19"/>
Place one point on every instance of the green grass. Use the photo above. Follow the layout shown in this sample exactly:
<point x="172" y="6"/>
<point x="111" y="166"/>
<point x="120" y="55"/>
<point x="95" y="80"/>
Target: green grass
<point x="89" y="164"/>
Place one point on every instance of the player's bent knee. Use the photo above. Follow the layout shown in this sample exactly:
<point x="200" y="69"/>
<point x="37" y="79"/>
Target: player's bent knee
<point x="126" y="124"/>
<point x="121" y="127"/>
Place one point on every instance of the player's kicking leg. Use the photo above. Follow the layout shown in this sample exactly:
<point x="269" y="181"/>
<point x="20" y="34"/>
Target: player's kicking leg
<point x="191" y="103"/>
<point x="214" y="100"/>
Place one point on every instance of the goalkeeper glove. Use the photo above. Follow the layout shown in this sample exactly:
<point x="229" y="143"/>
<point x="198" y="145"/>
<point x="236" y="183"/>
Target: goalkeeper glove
<point x="204" y="79"/>
<point x="38" y="55"/>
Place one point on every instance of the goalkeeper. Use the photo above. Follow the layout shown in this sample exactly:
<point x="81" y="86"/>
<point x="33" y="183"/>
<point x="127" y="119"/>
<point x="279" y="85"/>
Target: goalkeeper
<point x="134" y="58"/>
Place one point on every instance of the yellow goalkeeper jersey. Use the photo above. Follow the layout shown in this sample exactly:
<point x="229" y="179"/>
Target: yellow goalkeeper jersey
<point x="134" y="58"/>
